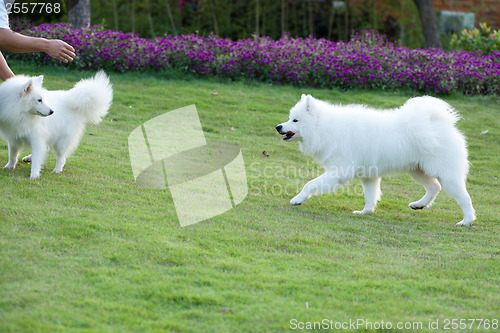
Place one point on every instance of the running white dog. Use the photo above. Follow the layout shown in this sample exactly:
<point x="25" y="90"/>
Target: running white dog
<point x="355" y="141"/>
<point x="33" y="116"/>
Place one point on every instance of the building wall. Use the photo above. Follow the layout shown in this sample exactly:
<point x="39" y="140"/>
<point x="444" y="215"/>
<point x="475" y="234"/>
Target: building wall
<point x="486" y="10"/>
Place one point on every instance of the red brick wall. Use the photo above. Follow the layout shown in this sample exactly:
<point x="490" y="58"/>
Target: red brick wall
<point x="486" y="10"/>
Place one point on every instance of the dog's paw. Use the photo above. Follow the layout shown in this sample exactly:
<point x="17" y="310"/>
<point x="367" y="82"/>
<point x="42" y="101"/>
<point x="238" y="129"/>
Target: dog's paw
<point x="9" y="166"/>
<point x="35" y="175"/>
<point x="57" y="170"/>
<point x="296" y="201"/>
<point x="465" y="223"/>
<point x="27" y="159"/>
<point x="363" y="211"/>
<point x="416" y="205"/>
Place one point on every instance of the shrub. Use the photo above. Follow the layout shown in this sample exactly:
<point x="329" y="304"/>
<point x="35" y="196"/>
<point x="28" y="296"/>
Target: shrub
<point x="485" y="39"/>
<point x="369" y="60"/>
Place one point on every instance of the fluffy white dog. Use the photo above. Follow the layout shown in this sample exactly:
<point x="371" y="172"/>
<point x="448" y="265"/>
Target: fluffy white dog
<point x="35" y="117"/>
<point x="355" y="141"/>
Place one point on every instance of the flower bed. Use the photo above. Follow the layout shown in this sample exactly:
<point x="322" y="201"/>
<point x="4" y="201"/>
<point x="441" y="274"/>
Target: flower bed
<point x="367" y="61"/>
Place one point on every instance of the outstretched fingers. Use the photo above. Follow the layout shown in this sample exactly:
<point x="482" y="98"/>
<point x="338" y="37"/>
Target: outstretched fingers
<point x="60" y="50"/>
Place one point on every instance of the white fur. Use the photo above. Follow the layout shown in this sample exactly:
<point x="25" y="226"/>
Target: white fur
<point x="355" y="141"/>
<point x="26" y="117"/>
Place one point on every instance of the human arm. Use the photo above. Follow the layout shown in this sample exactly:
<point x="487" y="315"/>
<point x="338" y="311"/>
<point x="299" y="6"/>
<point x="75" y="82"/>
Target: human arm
<point x="15" y="42"/>
<point x="5" y="71"/>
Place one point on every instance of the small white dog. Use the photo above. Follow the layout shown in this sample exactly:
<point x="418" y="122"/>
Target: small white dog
<point x="33" y="116"/>
<point x="355" y="141"/>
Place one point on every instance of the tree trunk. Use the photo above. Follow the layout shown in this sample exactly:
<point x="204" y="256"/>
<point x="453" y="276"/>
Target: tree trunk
<point x="171" y="17"/>
<point x="133" y="15"/>
<point x="150" y="18"/>
<point x="213" y="6"/>
<point x="115" y="15"/>
<point x="330" y="21"/>
<point x="311" y="17"/>
<point x="79" y="13"/>
<point x="283" y="18"/>
<point x="257" y="18"/>
<point x="347" y="11"/>
<point x="429" y="23"/>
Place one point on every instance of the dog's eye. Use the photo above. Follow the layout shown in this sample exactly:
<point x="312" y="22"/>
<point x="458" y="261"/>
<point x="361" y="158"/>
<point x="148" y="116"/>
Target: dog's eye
<point x="39" y="100"/>
<point x="295" y="120"/>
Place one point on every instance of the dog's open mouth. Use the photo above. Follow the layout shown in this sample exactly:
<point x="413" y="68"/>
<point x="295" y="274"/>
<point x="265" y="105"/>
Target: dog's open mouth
<point x="288" y="135"/>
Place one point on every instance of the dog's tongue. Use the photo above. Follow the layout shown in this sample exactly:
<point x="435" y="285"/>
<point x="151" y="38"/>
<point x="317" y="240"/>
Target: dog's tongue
<point x="288" y="135"/>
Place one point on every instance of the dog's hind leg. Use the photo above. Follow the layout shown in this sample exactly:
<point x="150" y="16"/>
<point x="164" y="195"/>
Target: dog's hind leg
<point x="431" y="185"/>
<point x="371" y="189"/>
<point x="456" y="188"/>
<point x="325" y="183"/>
<point x="14" y="150"/>
<point x="61" y="160"/>
<point x="27" y="159"/>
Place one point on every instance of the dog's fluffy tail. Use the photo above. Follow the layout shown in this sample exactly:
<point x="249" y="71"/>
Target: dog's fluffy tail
<point x="92" y="97"/>
<point x="435" y="108"/>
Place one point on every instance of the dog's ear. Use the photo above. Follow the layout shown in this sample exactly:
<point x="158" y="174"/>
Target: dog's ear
<point x="28" y="86"/>
<point x="38" y="80"/>
<point x="309" y="102"/>
<point x="303" y="99"/>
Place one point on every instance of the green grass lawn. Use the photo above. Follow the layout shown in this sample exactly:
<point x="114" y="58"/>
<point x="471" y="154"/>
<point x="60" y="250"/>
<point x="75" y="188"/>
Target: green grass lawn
<point x="88" y="250"/>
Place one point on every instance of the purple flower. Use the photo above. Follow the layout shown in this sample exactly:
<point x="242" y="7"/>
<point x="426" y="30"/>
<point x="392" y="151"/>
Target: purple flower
<point x="368" y="60"/>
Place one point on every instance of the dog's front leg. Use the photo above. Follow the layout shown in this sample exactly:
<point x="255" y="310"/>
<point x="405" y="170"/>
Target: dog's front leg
<point x="14" y="149"/>
<point x="326" y="183"/>
<point x="38" y="153"/>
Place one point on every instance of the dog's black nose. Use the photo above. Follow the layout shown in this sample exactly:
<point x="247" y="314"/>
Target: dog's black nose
<point x="278" y="128"/>
<point x="51" y="112"/>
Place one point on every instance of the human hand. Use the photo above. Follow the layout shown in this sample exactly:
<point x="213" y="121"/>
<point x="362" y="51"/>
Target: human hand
<point x="60" y="50"/>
